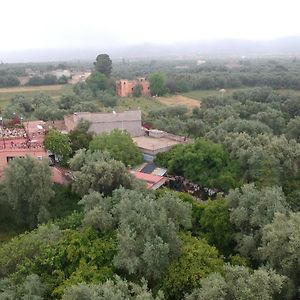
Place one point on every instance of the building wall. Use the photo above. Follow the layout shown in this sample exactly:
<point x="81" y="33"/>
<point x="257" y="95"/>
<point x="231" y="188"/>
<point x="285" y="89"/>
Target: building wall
<point x="124" y="88"/>
<point x="5" y="153"/>
<point x="131" y="121"/>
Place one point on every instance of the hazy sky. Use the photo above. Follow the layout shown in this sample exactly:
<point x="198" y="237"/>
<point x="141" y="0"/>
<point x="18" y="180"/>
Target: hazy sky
<point x="40" y="24"/>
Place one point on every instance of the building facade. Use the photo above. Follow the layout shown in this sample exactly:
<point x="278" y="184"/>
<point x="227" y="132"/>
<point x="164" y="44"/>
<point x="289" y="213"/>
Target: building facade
<point x="130" y="121"/>
<point x="125" y="88"/>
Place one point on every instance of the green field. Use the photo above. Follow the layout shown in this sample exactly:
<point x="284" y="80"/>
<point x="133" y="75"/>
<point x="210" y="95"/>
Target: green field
<point x="200" y="94"/>
<point x="54" y="91"/>
<point x="144" y="104"/>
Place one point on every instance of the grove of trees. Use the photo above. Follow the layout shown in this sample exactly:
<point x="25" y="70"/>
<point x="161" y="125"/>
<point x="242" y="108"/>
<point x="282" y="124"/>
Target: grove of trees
<point x="105" y="236"/>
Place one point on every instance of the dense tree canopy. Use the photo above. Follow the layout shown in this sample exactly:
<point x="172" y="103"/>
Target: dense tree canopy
<point x="147" y="233"/>
<point x="121" y="234"/>
<point x="239" y="283"/>
<point x="116" y="289"/>
<point x="216" y="225"/>
<point x="197" y="261"/>
<point x="250" y="210"/>
<point x="120" y="146"/>
<point x="202" y="162"/>
<point x="281" y="248"/>
<point x="27" y="189"/>
<point x="99" y="172"/>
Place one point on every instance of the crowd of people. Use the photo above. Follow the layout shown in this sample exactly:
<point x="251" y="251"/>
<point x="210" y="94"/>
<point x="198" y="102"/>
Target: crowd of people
<point x="8" y="133"/>
<point x="181" y="184"/>
<point x="21" y="145"/>
<point x="17" y="138"/>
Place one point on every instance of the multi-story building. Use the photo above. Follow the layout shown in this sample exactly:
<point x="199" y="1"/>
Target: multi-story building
<point x="126" y="88"/>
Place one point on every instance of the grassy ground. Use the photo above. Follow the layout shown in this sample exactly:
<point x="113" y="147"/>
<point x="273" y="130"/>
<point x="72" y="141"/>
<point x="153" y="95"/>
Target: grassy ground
<point x="289" y="92"/>
<point x="54" y="91"/>
<point x="200" y="94"/>
<point x="144" y="104"/>
<point x="190" y="103"/>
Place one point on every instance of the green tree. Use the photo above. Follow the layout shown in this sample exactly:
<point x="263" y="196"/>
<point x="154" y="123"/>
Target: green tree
<point x="42" y="99"/>
<point x="157" y="84"/>
<point x="120" y="146"/>
<point x="216" y="225"/>
<point x="293" y="129"/>
<point x="99" y="172"/>
<point x="281" y="249"/>
<point x="97" y="82"/>
<point x="197" y="261"/>
<point x="147" y="232"/>
<point x="103" y="64"/>
<point x="116" y="289"/>
<point x="98" y="212"/>
<point x="239" y="283"/>
<point x="20" y="101"/>
<point x="146" y="228"/>
<point x="203" y="162"/>
<point x="31" y="288"/>
<point x="80" y="255"/>
<point x="28" y="189"/>
<point x="49" y="113"/>
<point x="26" y="246"/>
<point x="80" y="137"/>
<point x="59" y="144"/>
<point x="68" y="101"/>
<point x="250" y="210"/>
<point x="107" y="99"/>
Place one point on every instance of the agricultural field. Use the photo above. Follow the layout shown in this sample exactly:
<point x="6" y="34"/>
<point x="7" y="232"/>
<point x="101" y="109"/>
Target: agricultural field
<point x="190" y="103"/>
<point x="54" y="91"/>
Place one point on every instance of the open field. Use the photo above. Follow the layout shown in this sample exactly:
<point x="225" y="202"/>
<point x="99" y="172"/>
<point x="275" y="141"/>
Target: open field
<point x="200" y="94"/>
<point x="289" y="92"/>
<point x="180" y="100"/>
<point x="54" y="91"/>
<point x="144" y="104"/>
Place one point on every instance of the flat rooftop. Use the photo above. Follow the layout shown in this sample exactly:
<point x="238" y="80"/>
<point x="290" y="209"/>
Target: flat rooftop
<point x="151" y="143"/>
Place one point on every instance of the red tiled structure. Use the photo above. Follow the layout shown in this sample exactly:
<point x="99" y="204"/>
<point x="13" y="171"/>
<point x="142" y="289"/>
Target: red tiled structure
<point x="153" y="181"/>
<point x="125" y="88"/>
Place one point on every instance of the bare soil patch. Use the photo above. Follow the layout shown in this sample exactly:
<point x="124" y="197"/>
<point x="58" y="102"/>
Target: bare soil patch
<point x="180" y="100"/>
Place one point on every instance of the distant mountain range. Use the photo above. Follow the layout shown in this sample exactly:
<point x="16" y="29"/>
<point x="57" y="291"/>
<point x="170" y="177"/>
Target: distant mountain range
<point x="286" y="46"/>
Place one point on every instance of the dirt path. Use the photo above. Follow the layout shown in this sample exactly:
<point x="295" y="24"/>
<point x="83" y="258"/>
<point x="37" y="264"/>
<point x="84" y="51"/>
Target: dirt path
<point x="20" y="89"/>
<point x="180" y="100"/>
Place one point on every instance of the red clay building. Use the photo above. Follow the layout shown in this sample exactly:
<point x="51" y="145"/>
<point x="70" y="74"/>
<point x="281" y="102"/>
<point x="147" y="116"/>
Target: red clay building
<point x="19" y="142"/>
<point x="125" y="88"/>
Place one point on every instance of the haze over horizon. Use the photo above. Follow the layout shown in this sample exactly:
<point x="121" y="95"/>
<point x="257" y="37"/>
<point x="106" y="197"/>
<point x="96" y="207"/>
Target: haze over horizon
<point x="61" y="27"/>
